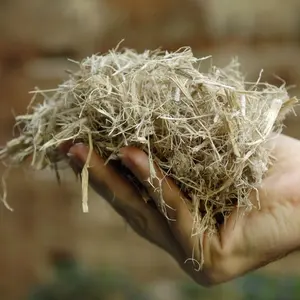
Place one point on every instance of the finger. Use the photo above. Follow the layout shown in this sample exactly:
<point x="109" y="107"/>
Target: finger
<point x="164" y="189"/>
<point x="103" y="178"/>
<point x="124" y="198"/>
<point x="65" y="147"/>
<point x="161" y="188"/>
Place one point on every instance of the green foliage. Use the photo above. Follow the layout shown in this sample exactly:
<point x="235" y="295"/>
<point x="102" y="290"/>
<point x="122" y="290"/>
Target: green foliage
<point x="72" y="283"/>
<point x="253" y="286"/>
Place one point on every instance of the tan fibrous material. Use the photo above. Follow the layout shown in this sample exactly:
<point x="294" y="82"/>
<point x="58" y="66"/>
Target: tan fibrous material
<point x="206" y="130"/>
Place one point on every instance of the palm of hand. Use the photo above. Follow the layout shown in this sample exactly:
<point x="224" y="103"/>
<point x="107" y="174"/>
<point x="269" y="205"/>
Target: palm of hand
<point x="244" y="244"/>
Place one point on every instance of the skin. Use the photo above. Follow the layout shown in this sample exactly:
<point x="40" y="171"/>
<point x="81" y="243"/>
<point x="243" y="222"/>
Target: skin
<point x="247" y="241"/>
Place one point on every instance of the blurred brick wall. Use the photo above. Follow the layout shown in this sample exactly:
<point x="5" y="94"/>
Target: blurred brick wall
<point x="35" y="40"/>
<point x="267" y="19"/>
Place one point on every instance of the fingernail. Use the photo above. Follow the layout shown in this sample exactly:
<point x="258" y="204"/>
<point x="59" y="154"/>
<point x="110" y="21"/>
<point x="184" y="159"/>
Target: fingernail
<point x="127" y="162"/>
<point x="74" y="160"/>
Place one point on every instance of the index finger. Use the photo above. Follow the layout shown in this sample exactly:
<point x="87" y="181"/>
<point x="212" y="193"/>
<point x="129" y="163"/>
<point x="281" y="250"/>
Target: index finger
<point x="163" y="189"/>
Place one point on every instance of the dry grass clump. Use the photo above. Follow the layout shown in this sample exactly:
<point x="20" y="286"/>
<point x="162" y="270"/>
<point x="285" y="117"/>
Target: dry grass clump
<point x="207" y="131"/>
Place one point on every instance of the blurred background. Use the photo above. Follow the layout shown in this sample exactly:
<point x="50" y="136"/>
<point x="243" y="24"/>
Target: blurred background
<point x="49" y="249"/>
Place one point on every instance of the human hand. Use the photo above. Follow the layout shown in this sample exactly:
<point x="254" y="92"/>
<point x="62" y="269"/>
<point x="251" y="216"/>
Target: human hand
<point x="247" y="242"/>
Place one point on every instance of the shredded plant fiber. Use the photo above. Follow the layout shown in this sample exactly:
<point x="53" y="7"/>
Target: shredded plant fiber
<point x="207" y="131"/>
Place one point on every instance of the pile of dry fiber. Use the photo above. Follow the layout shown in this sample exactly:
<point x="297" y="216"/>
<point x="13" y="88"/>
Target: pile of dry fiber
<point x="207" y="131"/>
